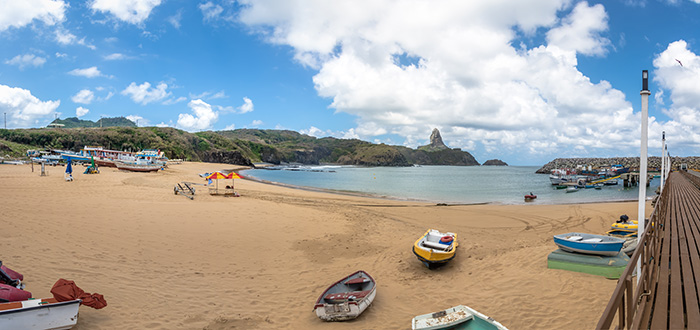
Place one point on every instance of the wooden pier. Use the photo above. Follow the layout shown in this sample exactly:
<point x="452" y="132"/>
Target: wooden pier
<point x="665" y="296"/>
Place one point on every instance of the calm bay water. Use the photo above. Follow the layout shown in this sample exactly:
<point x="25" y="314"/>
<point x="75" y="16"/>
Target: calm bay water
<point x="445" y="184"/>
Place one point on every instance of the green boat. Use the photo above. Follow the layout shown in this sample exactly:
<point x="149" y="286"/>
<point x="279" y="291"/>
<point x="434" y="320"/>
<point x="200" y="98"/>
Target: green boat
<point x="456" y="318"/>
<point x="608" y="266"/>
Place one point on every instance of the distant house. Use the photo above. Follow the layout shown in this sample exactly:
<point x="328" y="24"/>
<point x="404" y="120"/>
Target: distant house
<point x="55" y="125"/>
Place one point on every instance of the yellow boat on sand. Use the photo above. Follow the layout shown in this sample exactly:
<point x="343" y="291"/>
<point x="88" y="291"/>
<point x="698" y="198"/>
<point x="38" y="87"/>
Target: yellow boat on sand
<point x="435" y="248"/>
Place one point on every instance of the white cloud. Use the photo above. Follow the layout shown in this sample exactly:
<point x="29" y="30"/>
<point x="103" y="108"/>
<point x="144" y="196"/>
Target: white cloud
<point x="26" y="60"/>
<point x="162" y="124"/>
<point x="130" y="11"/>
<point x="210" y="10"/>
<point x="462" y="69"/>
<point x="24" y="109"/>
<point x="247" y="106"/>
<point x="175" y="20"/>
<point x="18" y="14"/>
<point x="580" y="30"/>
<point x="204" y="117"/>
<point x="64" y="37"/>
<point x="174" y="101"/>
<point x="144" y="94"/>
<point x="84" y="96"/>
<point x="90" y="72"/>
<point x="116" y="57"/>
<point x="230" y="127"/>
<point x="80" y="111"/>
<point x="256" y="123"/>
<point x="138" y="120"/>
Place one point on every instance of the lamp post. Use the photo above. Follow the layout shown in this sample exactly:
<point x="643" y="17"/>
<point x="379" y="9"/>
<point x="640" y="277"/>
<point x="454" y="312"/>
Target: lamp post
<point x="643" y="164"/>
<point x="663" y="161"/>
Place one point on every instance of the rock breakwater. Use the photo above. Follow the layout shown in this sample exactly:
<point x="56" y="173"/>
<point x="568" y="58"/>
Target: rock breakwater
<point x="631" y="162"/>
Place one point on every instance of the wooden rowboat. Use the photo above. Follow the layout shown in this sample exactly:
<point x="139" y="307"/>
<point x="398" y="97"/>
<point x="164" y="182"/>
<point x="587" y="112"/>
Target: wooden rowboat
<point x="347" y="298"/>
<point x="589" y="244"/>
<point x="39" y="314"/>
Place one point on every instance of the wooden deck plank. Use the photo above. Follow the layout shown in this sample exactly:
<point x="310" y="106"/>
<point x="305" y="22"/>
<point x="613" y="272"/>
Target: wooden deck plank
<point x="691" y="273"/>
<point x="675" y="306"/>
<point x="659" y="318"/>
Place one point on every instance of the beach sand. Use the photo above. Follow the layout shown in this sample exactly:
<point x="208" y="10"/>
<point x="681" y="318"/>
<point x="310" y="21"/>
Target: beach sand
<point x="260" y="261"/>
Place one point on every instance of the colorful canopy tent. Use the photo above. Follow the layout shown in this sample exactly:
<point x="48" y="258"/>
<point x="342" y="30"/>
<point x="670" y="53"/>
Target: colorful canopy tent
<point x="218" y="175"/>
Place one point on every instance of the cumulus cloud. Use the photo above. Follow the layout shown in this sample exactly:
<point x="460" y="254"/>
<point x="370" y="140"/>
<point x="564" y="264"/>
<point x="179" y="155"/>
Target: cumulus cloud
<point x="130" y="11"/>
<point x="26" y="60"/>
<point x="80" y="111"/>
<point x="247" y="106"/>
<point x="144" y="94"/>
<point x="580" y="31"/>
<point x="204" y="117"/>
<point x="399" y="72"/>
<point x="24" y="109"/>
<point x="680" y="81"/>
<point x="138" y="120"/>
<point x="90" y="72"/>
<point x="84" y="96"/>
<point x="18" y="14"/>
<point x="116" y="57"/>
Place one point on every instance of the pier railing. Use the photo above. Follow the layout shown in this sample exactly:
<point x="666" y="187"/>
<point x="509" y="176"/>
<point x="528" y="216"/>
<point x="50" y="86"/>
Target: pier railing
<point x="632" y="295"/>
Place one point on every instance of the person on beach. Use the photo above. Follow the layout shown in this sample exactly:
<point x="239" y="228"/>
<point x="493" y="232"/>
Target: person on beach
<point x="623" y="218"/>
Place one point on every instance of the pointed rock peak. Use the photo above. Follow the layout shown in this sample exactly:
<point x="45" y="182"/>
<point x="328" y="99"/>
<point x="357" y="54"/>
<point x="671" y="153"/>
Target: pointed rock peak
<point x="436" y="140"/>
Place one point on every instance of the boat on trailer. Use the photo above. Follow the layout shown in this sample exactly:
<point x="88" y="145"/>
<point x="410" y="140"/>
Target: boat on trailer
<point x="589" y="243"/>
<point x="456" y="318"/>
<point x="347" y="298"/>
<point x="435" y="248"/>
<point x="39" y="314"/>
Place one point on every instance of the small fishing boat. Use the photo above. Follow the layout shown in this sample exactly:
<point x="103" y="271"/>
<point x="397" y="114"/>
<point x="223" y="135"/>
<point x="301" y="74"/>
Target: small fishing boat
<point x="629" y="225"/>
<point x="610" y="182"/>
<point x="435" y="248"/>
<point x="589" y="243"/>
<point x="598" y="186"/>
<point x="571" y="189"/>
<point x="40" y="314"/>
<point x="561" y="186"/>
<point x="530" y="197"/>
<point x="135" y="167"/>
<point x="347" y="298"/>
<point x="456" y="318"/>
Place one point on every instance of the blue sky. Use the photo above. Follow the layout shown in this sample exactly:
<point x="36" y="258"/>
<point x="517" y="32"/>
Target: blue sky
<point x="523" y="81"/>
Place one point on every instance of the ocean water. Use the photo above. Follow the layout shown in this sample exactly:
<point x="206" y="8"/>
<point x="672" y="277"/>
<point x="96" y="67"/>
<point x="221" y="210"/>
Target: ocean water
<point x="444" y="184"/>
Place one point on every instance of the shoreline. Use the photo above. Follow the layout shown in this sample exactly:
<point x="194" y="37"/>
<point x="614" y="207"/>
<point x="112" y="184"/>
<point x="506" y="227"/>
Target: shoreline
<point x="126" y="235"/>
<point x="394" y="198"/>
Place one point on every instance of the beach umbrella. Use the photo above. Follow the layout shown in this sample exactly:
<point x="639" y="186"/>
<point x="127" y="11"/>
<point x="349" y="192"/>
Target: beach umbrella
<point x="69" y="168"/>
<point x="233" y="175"/>
<point x="216" y="176"/>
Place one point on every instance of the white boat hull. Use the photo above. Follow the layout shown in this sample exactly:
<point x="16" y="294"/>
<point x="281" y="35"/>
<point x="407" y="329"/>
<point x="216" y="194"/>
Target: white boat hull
<point x="32" y="315"/>
<point x="345" y="311"/>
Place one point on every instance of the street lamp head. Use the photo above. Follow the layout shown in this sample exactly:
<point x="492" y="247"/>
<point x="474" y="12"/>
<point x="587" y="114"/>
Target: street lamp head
<point x="645" y="80"/>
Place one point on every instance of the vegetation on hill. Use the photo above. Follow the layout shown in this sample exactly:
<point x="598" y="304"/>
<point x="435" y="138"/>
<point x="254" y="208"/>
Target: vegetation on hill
<point x="74" y="122"/>
<point x="242" y="146"/>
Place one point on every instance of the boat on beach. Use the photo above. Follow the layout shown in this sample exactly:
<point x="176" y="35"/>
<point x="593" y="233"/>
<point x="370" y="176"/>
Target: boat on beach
<point x="347" y="298"/>
<point x="39" y="314"/>
<point x="435" y="248"/>
<point x="138" y="167"/>
<point x="571" y="189"/>
<point x="627" y="225"/>
<point x="589" y="243"/>
<point x="456" y="318"/>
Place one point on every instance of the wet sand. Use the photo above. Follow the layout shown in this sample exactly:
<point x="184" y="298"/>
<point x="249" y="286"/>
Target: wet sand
<point x="261" y="260"/>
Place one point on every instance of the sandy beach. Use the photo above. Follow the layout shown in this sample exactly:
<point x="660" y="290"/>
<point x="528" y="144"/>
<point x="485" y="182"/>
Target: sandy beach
<point x="260" y="261"/>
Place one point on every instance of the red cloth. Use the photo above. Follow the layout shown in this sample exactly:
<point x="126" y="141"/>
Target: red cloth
<point x="10" y="293"/>
<point x="13" y="274"/>
<point x="64" y="290"/>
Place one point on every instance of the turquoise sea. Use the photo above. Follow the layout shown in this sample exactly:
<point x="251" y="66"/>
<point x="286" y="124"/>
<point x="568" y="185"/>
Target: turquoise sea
<point x="444" y="184"/>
